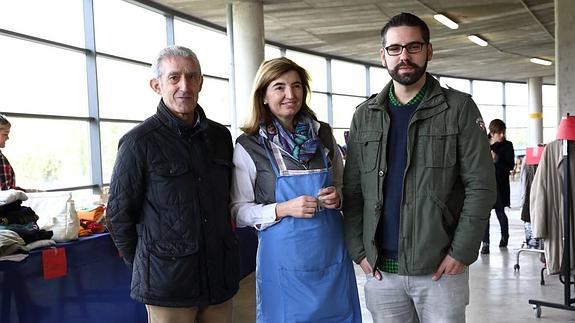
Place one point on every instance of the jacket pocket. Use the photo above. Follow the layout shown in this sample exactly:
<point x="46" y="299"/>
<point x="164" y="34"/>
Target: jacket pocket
<point x="173" y="269"/>
<point x="370" y="144"/>
<point x="171" y="183"/>
<point x="170" y="169"/>
<point x="439" y="148"/>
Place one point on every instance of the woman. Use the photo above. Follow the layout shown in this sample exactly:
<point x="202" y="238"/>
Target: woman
<point x="7" y="176"/>
<point x="504" y="161"/>
<point x="287" y="184"/>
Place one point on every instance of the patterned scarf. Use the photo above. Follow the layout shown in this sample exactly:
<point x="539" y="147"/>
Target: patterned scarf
<point x="301" y="144"/>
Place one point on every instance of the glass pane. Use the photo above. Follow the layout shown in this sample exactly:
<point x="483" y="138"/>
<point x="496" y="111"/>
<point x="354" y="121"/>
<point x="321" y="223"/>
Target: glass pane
<point x="339" y="135"/>
<point x="318" y="103"/>
<point x="210" y="46"/>
<point x="58" y="158"/>
<point x="214" y="100"/>
<point x="316" y="66"/>
<point x="127" y="30"/>
<point x="124" y="90"/>
<point x="516" y="116"/>
<point x="42" y="79"/>
<point x="111" y="132"/>
<point x="31" y="17"/>
<point x="272" y="52"/>
<point x="490" y="112"/>
<point x="486" y="92"/>
<point x="516" y="94"/>
<point x="550" y="117"/>
<point x="378" y="79"/>
<point x="343" y="109"/>
<point x="549" y="134"/>
<point x="518" y="136"/>
<point x="549" y="95"/>
<point x="347" y="78"/>
<point x="462" y="85"/>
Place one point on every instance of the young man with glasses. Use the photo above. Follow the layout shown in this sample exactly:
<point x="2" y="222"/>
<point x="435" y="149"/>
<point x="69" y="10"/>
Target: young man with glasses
<point x="418" y="186"/>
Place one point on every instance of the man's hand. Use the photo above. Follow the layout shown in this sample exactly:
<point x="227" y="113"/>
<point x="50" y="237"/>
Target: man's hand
<point x="366" y="267"/>
<point x="448" y="266"/>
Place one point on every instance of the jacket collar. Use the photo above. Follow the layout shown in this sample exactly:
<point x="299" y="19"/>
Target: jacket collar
<point x="433" y="96"/>
<point x="181" y="128"/>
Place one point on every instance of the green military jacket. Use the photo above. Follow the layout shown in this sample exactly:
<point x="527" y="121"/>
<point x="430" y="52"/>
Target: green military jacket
<point x="449" y="180"/>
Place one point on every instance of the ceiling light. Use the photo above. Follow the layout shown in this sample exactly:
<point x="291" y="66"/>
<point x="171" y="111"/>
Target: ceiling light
<point x="540" y="61"/>
<point x="446" y="21"/>
<point x="478" y="40"/>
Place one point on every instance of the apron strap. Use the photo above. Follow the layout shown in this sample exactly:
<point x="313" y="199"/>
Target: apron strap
<point x="278" y="163"/>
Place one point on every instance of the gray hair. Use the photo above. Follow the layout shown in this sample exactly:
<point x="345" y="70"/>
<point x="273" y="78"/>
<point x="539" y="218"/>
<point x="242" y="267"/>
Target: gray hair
<point x="172" y="51"/>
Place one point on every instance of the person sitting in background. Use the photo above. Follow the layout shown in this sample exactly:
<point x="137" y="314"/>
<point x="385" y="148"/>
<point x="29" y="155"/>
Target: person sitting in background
<point x="7" y="176"/>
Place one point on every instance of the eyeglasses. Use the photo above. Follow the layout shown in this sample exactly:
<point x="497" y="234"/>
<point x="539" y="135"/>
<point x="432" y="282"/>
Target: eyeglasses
<point x="412" y="48"/>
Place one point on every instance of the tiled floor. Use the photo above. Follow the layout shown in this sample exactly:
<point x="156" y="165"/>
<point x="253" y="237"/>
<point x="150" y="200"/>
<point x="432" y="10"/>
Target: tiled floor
<point x="498" y="292"/>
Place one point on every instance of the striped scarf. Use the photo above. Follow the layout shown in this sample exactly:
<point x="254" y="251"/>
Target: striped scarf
<point x="301" y="144"/>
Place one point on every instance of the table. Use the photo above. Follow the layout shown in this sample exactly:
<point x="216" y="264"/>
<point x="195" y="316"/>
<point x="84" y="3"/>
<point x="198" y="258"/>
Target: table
<point x="96" y="287"/>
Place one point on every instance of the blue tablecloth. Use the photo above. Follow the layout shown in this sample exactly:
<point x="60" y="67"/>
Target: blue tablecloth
<point x="95" y="289"/>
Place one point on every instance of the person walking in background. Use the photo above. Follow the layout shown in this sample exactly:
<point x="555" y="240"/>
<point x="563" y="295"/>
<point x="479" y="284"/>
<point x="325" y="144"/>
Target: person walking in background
<point x="418" y="186"/>
<point x="287" y="184"/>
<point x="168" y="207"/>
<point x="504" y="160"/>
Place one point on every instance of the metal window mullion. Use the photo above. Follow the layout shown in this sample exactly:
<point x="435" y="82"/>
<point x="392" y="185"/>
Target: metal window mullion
<point x="170" y="34"/>
<point x="93" y="104"/>
<point x="329" y="92"/>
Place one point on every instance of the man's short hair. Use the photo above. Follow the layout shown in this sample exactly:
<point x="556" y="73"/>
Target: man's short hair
<point x="405" y="19"/>
<point x="172" y="51"/>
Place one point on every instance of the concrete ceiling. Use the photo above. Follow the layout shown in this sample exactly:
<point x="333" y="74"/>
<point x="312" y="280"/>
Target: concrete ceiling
<point x="515" y="29"/>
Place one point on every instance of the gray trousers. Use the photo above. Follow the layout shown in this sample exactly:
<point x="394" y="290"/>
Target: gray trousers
<point x="413" y="299"/>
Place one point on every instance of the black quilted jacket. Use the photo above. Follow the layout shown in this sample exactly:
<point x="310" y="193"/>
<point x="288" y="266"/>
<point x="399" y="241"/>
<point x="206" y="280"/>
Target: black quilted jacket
<point x="168" y="211"/>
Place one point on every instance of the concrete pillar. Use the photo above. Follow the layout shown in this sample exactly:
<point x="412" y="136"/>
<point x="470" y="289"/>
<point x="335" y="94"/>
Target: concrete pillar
<point x="565" y="56"/>
<point x="248" y="52"/>
<point x="535" y="127"/>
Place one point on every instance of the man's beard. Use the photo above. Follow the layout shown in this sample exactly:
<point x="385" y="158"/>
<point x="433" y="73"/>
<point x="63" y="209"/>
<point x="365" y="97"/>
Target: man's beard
<point x="408" y="78"/>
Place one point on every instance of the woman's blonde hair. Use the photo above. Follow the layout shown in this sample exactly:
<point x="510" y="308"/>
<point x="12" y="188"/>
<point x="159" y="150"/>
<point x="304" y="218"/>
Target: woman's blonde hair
<point x="266" y="74"/>
<point x="4" y="123"/>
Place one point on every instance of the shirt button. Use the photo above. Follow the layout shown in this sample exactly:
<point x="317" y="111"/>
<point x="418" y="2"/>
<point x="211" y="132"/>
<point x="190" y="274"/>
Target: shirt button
<point x="381" y="173"/>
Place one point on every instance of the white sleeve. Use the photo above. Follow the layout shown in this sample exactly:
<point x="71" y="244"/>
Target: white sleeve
<point x="243" y="207"/>
<point x="337" y="164"/>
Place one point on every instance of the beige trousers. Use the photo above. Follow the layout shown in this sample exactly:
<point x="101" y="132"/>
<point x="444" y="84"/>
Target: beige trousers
<point x="206" y="314"/>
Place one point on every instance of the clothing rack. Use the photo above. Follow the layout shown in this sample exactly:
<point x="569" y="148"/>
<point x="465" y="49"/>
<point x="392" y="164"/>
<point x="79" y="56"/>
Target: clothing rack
<point x="566" y="264"/>
<point x="532" y="157"/>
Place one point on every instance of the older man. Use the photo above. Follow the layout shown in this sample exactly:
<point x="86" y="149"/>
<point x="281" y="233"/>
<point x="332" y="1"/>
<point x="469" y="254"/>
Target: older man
<point x="168" y="207"/>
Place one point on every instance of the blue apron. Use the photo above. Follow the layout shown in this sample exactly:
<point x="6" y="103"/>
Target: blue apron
<point x="304" y="273"/>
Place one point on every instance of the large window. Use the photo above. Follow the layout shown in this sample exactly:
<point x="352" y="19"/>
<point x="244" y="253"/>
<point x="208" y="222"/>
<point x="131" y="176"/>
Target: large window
<point x="42" y="79"/>
<point x="210" y="46"/>
<point x="462" y="85"/>
<point x="60" y="21"/>
<point x="124" y="90"/>
<point x="348" y="78"/>
<point x="127" y="30"/>
<point x="378" y="79"/>
<point x="59" y="107"/>
<point x="314" y="65"/>
<point x="48" y="154"/>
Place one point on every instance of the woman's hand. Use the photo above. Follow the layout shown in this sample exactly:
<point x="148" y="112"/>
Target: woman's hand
<point x="328" y="198"/>
<point x="300" y="207"/>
